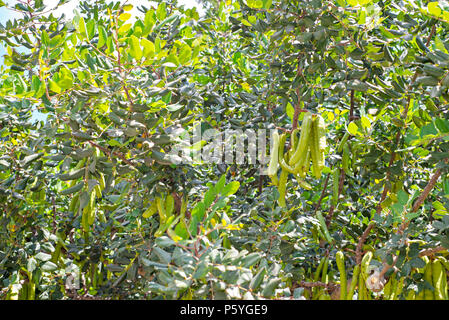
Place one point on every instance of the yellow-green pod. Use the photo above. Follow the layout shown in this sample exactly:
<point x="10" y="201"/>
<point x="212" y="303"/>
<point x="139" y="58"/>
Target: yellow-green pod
<point x="274" y="155"/>
<point x="341" y="268"/>
<point x="428" y="294"/>
<point x="282" y="188"/>
<point x="355" y="277"/>
<point x="102" y="182"/>
<point x="343" y="141"/>
<point x="366" y="260"/>
<point x="387" y="290"/>
<point x="74" y="203"/>
<point x="92" y="210"/>
<point x="444" y="287"/>
<point x="399" y="288"/>
<point x="293" y="142"/>
<point x="363" y="292"/>
<point x="324" y="275"/>
<point x="437" y="280"/>
<point x="393" y="285"/>
<point x="303" y="139"/>
<point x="85" y="218"/>
<point x="31" y="290"/>
<point x="345" y="158"/>
<point x="161" y="209"/>
<point x="169" y="205"/>
<point x="152" y="209"/>
<point x="325" y="296"/>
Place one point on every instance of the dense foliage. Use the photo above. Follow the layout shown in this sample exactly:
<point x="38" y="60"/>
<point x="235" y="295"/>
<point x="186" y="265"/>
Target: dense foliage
<point x="91" y="106"/>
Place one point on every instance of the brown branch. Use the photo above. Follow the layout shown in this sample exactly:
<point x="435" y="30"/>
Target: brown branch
<point x="358" y="250"/>
<point x="298" y="105"/>
<point x="119" y="155"/>
<point x="393" y="156"/>
<point x="316" y="284"/>
<point x="426" y="190"/>
<point x="427" y="252"/>
<point x="432" y="251"/>
<point x="351" y="110"/>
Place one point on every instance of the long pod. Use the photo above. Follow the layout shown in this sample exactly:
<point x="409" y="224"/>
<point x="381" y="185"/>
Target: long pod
<point x="302" y="167"/>
<point x="438" y="280"/>
<point x="355" y="276"/>
<point x="317" y="274"/>
<point x="341" y="268"/>
<point x="399" y="288"/>
<point x="342" y="142"/>
<point x="444" y="287"/>
<point x="393" y="287"/>
<point x="387" y="289"/>
<point x="324" y="275"/>
<point x="366" y="260"/>
<point x="362" y="290"/>
<point x="303" y="139"/>
<point x="316" y="153"/>
<point x="282" y="188"/>
<point x="324" y="227"/>
<point x="274" y="152"/>
<point x="293" y="142"/>
<point x="428" y="294"/>
<point x="345" y="158"/>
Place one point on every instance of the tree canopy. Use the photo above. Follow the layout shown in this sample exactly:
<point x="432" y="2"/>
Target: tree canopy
<point x="93" y="106"/>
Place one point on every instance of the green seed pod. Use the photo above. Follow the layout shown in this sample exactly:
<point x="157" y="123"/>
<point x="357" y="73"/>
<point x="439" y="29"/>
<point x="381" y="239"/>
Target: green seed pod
<point x="438" y="280"/>
<point x="355" y="276"/>
<point x="282" y="188"/>
<point x="303" y="139"/>
<point x="341" y="268"/>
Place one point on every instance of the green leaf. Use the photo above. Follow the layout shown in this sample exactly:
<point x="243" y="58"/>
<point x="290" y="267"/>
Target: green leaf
<point x="353" y="129"/>
<point x="267" y="4"/>
<point x="251" y="259"/>
<point x="174" y="107"/>
<point x="402" y="197"/>
<point x="185" y="53"/>
<point x="65" y="79"/>
<point x="366" y="123"/>
<point x="82" y="29"/>
<point x="124" y="16"/>
<point x="269" y="288"/>
<point x="102" y="37"/>
<point x="43" y="256"/>
<point x="230" y="188"/>
<point x="290" y="111"/>
<point x="255" y="4"/>
<point x="257" y="279"/>
<point x="220" y="184"/>
<point x="199" y="211"/>
<point x="433" y="8"/>
<point x="442" y="125"/>
<point x="124" y="28"/>
<point x="161" y="12"/>
<point x="49" y="266"/>
<point x="148" y="48"/>
<point x="135" y="49"/>
<point x="417" y="263"/>
<point x="149" y="21"/>
<point x="90" y="27"/>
